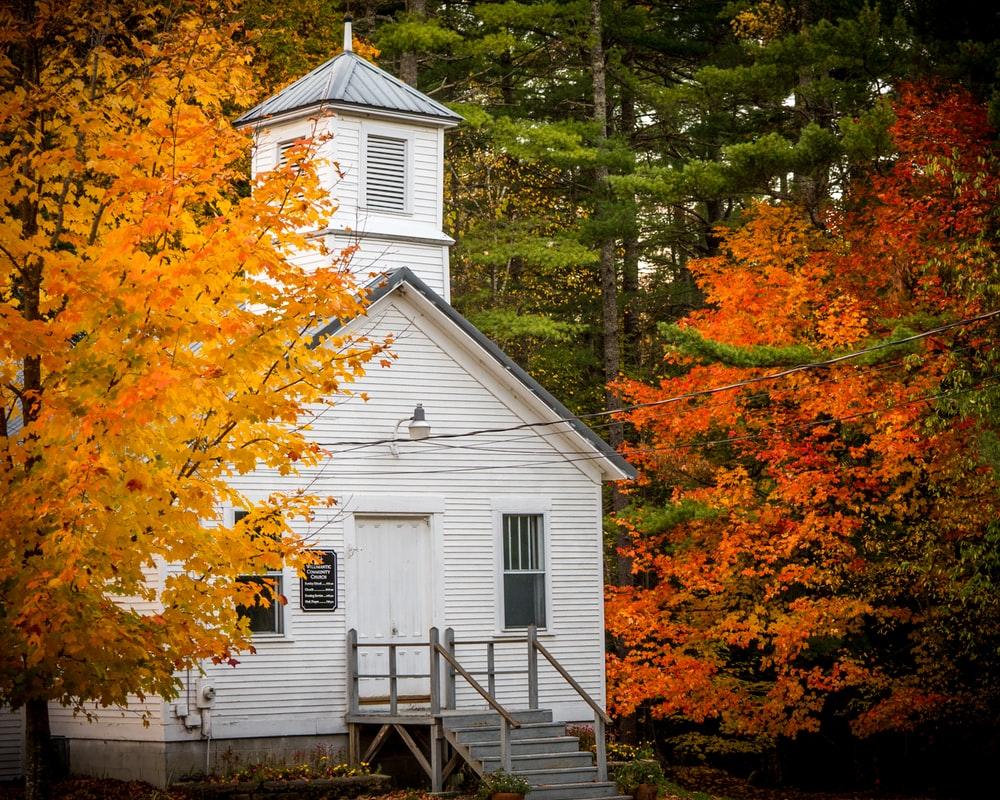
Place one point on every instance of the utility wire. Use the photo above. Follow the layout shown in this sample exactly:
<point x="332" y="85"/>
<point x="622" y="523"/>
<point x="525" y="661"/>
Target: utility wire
<point x="698" y="393"/>
<point x="687" y="444"/>
<point x="508" y="441"/>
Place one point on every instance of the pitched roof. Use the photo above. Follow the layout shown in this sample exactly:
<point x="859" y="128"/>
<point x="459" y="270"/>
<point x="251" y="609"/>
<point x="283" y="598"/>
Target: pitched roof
<point x="349" y="80"/>
<point x="385" y="284"/>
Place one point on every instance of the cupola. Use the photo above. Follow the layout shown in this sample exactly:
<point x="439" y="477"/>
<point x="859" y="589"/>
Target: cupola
<point x="383" y="150"/>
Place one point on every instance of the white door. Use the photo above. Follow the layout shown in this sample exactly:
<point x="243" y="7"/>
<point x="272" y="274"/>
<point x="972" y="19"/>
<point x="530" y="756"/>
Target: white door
<point x="393" y="604"/>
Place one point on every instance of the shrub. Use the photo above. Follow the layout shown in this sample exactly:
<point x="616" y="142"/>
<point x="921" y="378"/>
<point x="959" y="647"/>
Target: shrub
<point x="501" y="781"/>
<point x="585" y="733"/>
<point x="641" y="770"/>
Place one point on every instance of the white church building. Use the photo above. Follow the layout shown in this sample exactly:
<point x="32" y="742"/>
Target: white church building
<point x="452" y="559"/>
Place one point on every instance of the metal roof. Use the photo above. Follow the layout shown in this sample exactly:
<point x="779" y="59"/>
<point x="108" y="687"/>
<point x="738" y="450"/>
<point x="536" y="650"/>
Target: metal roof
<point x="349" y="80"/>
<point x="384" y="284"/>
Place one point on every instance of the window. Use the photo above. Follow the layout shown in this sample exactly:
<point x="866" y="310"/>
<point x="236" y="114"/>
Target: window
<point x="385" y="173"/>
<point x="523" y="570"/>
<point x="263" y="618"/>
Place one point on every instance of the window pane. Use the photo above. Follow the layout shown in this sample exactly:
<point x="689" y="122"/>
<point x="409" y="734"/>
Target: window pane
<point x="524" y="599"/>
<point x="263" y="619"/>
<point x="525" y="543"/>
<point x="523" y="579"/>
<point x="514" y="545"/>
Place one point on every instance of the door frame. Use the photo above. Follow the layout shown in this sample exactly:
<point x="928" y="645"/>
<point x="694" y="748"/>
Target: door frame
<point x="431" y="507"/>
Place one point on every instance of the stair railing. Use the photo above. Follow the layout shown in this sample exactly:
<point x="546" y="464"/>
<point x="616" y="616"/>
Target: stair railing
<point x="601" y="719"/>
<point x="437" y="651"/>
<point x="506" y="720"/>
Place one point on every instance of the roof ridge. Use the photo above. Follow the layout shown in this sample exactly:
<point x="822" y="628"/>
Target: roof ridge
<point x="355" y="82"/>
<point x="340" y="81"/>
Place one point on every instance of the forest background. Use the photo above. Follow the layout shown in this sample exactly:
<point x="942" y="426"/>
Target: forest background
<point x="652" y="200"/>
<point x="754" y="245"/>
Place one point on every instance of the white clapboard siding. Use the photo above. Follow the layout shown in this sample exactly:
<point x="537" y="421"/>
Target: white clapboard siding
<point x="296" y="684"/>
<point x="11" y="743"/>
<point x="375" y="256"/>
<point x="400" y="225"/>
<point x="140" y="720"/>
<point x="344" y="145"/>
<point x="127" y="722"/>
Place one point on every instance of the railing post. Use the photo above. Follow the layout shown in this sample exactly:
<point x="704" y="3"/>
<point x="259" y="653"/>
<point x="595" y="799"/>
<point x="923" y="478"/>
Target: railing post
<point x="353" y="689"/>
<point x="437" y="768"/>
<point x="435" y="671"/>
<point x="600" y="739"/>
<point x="491" y="669"/>
<point x="532" y="668"/>
<point x="449" y="670"/>
<point x="393" y="680"/>
<point x="505" y="744"/>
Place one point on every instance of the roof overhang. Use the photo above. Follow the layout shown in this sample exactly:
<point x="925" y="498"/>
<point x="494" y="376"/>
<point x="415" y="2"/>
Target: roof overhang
<point x="332" y="107"/>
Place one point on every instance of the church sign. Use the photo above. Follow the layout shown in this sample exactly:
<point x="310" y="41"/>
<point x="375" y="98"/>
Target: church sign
<point x="318" y="589"/>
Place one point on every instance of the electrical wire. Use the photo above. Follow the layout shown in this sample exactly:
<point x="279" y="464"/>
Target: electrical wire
<point x="682" y="445"/>
<point x="485" y="446"/>
<point x="694" y="394"/>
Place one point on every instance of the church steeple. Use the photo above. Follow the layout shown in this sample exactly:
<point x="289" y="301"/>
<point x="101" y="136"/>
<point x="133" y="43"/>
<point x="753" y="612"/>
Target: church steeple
<point x="382" y="148"/>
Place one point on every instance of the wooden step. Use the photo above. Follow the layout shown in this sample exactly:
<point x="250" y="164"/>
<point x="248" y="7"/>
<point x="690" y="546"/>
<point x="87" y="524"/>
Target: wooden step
<point x="521" y="747"/>
<point x="550" y="777"/>
<point x="576" y="791"/>
<point x="473" y="719"/>
<point x="541" y="761"/>
<point x="491" y="733"/>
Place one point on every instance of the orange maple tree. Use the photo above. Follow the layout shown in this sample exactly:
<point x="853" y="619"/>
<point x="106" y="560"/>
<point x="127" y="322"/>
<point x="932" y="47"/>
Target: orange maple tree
<point x="156" y="338"/>
<point x="828" y="539"/>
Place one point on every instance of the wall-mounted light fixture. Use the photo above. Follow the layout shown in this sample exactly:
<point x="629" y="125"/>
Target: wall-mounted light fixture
<point x="419" y="428"/>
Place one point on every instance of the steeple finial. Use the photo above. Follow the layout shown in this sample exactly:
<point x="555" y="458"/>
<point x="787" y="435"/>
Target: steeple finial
<point x="348" y="35"/>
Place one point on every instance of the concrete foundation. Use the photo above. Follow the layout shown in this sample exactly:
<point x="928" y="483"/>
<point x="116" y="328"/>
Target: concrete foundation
<point x="163" y="763"/>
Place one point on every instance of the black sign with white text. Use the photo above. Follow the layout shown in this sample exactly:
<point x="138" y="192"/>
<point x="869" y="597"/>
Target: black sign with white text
<point x="318" y="590"/>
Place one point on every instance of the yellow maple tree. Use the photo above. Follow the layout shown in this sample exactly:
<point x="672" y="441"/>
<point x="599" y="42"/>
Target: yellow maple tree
<point x="156" y="339"/>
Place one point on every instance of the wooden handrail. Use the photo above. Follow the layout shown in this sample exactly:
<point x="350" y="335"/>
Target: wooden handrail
<point x="495" y="640"/>
<point x="570" y="680"/>
<point x="475" y="685"/>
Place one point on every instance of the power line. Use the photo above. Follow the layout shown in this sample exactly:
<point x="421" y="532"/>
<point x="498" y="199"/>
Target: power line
<point x="682" y="445"/>
<point x="509" y="440"/>
<point x="698" y="393"/>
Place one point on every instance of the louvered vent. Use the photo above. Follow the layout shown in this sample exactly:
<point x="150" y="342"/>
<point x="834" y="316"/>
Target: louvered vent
<point x="283" y="149"/>
<point x="385" y="173"/>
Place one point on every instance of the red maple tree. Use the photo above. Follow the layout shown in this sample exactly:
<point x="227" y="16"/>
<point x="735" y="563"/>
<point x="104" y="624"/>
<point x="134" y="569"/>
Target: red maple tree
<point x="827" y="539"/>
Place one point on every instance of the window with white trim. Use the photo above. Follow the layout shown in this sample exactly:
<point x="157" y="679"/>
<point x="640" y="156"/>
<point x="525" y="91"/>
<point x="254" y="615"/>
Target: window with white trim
<point x="385" y="173"/>
<point x="264" y="617"/>
<point x="523" y="544"/>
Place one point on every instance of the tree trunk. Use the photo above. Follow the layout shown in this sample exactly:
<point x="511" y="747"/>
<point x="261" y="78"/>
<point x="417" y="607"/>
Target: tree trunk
<point x="507" y="79"/>
<point x="611" y="352"/>
<point x="408" y="62"/>
<point x="38" y="764"/>
<point x="630" y="259"/>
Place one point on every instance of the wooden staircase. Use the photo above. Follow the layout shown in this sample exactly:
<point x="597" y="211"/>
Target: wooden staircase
<point x="490" y="738"/>
<point x="541" y="752"/>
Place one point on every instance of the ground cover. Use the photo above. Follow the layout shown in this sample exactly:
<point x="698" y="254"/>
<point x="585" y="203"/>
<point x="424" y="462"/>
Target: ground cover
<point x="685" y="783"/>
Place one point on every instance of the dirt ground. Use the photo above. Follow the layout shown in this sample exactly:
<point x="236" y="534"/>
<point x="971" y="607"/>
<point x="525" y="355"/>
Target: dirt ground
<point x="688" y="783"/>
<point x="705" y="783"/>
